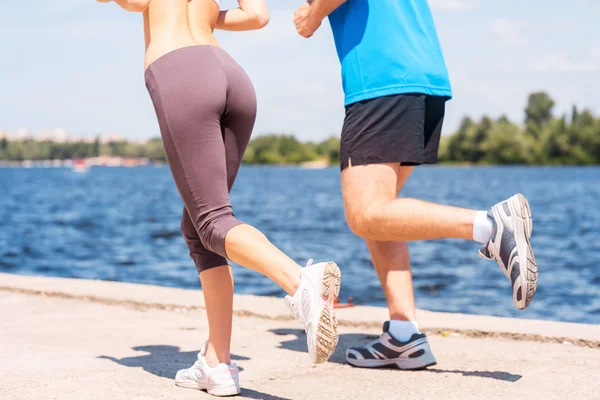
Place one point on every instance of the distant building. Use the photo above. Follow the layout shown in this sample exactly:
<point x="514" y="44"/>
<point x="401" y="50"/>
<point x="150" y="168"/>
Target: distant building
<point x="22" y="134"/>
<point x="57" y="135"/>
<point x="60" y="135"/>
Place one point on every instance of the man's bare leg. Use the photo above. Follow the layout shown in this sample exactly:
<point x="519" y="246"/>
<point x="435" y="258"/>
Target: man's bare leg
<point x="392" y="264"/>
<point x="397" y="345"/>
<point x="373" y="211"/>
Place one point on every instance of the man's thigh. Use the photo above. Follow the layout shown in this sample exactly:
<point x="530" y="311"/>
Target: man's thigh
<point x="388" y="254"/>
<point x="364" y="186"/>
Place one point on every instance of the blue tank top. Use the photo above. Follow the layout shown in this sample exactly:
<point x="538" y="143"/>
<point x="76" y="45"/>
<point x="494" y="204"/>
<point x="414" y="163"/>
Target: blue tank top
<point x="388" y="47"/>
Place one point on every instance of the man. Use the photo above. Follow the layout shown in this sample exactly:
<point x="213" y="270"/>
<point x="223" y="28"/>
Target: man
<point x="396" y="85"/>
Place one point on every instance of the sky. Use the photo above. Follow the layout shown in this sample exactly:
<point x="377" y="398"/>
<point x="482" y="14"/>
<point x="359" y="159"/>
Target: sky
<point x="78" y="65"/>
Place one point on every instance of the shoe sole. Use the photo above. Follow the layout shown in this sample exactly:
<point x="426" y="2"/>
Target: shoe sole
<point x="327" y="326"/>
<point x="405" y="364"/>
<point x="528" y="267"/>
<point x="215" y="391"/>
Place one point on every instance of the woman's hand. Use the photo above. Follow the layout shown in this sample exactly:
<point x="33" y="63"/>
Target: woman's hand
<point x="130" y="5"/>
<point x="251" y="15"/>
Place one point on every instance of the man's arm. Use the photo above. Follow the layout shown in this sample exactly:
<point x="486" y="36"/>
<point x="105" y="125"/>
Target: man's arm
<point x="309" y="16"/>
<point x="251" y="15"/>
<point x="322" y="8"/>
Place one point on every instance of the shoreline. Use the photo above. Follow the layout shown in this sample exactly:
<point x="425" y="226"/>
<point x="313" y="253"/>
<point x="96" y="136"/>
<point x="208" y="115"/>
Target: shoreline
<point x="308" y="165"/>
<point x="145" y="297"/>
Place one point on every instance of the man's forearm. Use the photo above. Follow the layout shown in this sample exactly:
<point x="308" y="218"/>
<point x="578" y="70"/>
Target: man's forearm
<point x="322" y="8"/>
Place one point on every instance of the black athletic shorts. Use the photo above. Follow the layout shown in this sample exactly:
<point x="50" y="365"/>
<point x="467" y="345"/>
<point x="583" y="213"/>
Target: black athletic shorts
<point x="404" y="128"/>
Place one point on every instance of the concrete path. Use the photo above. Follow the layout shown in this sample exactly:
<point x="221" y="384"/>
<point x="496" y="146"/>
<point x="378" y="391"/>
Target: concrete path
<point x="66" y="339"/>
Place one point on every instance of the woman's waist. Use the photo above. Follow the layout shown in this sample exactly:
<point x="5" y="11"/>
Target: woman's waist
<point x="166" y="42"/>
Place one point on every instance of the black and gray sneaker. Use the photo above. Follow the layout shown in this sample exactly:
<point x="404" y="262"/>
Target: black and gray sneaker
<point x="388" y="351"/>
<point x="510" y="246"/>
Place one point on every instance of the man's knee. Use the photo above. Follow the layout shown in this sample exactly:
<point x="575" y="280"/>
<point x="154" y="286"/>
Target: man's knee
<point x="360" y="220"/>
<point x="364" y="189"/>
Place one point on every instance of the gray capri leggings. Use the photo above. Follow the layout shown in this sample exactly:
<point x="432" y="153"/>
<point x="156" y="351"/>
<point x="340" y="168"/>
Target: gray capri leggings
<point x="206" y="107"/>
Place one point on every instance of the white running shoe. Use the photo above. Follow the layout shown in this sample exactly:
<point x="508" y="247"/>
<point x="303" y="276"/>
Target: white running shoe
<point x="510" y="247"/>
<point x="222" y="380"/>
<point x="312" y="305"/>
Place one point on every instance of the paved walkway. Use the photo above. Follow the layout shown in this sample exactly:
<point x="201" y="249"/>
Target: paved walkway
<point x="65" y="339"/>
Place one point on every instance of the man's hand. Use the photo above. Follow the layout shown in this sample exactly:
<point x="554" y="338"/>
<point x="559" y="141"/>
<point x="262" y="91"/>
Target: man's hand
<point x="306" y="22"/>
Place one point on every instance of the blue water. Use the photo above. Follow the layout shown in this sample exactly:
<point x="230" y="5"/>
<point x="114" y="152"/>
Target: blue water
<point x="122" y="224"/>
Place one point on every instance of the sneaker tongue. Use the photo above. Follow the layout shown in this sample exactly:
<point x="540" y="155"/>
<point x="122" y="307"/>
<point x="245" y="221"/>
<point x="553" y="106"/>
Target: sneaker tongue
<point x="386" y="326"/>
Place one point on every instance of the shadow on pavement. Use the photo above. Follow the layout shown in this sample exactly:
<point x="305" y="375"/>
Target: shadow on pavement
<point x="347" y="340"/>
<point x="299" y="343"/>
<point x="498" y="375"/>
<point x="253" y="394"/>
<point x="162" y="360"/>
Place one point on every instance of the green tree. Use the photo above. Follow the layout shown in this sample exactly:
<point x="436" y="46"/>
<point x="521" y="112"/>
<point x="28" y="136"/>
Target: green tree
<point x="96" y="148"/>
<point x="538" y="114"/>
<point x="539" y="108"/>
<point x="329" y="148"/>
<point x="503" y="145"/>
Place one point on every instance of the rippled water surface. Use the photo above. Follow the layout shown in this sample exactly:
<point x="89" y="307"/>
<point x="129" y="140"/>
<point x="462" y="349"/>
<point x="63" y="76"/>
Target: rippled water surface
<point x="123" y="225"/>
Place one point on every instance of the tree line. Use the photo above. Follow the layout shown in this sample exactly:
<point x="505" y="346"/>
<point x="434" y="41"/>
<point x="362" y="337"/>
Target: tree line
<point x="543" y="139"/>
<point x="29" y="149"/>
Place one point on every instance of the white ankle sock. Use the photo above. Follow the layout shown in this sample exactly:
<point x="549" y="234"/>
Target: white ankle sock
<point x="403" y="330"/>
<point x="482" y="227"/>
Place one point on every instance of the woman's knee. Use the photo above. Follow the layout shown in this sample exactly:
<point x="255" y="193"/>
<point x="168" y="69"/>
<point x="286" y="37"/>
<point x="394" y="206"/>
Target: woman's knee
<point x="213" y="231"/>
<point x="188" y="231"/>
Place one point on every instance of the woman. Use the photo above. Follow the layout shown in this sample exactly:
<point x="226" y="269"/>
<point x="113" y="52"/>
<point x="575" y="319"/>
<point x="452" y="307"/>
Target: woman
<point x="206" y="107"/>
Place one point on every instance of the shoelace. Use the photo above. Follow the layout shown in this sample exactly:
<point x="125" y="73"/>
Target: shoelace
<point x="295" y="311"/>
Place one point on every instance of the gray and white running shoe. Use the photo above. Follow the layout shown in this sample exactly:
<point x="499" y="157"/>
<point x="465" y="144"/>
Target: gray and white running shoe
<point x="510" y="246"/>
<point x="388" y="351"/>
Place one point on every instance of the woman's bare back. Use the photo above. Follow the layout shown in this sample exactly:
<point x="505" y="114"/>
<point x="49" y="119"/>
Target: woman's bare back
<point x="173" y="24"/>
